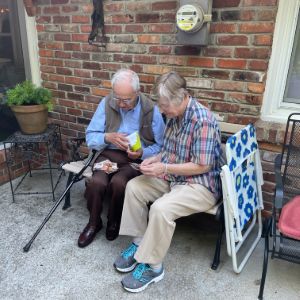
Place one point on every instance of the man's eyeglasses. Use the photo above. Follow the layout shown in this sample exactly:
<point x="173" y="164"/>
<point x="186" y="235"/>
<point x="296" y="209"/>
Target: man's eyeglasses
<point x="124" y="101"/>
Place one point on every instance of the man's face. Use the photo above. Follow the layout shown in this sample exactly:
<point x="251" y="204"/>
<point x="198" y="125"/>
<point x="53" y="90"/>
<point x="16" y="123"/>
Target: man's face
<point x="124" y="95"/>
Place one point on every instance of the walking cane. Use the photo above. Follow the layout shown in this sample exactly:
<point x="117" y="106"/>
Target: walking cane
<point x="75" y="179"/>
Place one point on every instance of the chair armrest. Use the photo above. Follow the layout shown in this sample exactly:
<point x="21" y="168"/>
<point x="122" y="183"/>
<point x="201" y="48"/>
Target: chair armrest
<point x="74" y="145"/>
<point x="278" y="201"/>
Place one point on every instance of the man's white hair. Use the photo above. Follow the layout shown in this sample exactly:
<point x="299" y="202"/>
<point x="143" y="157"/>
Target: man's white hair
<point x="124" y="75"/>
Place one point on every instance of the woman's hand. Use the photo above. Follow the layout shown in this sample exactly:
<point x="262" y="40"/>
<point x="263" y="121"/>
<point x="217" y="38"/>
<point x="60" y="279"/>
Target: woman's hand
<point x="155" y="169"/>
<point x="117" y="139"/>
<point x="150" y="160"/>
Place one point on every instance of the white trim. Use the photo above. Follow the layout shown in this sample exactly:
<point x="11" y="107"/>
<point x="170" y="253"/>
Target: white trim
<point x="273" y="108"/>
<point x="30" y="44"/>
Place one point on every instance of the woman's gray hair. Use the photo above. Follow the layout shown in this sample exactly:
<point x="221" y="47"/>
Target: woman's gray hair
<point x="171" y="87"/>
<point x="125" y="74"/>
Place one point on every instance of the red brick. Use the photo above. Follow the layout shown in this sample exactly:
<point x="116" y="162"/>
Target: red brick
<point x="79" y="37"/>
<point x="59" y="1"/>
<point x="259" y="65"/>
<point x="231" y="63"/>
<point x="263" y="40"/>
<point x="93" y="82"/>
<point x="101" y="74"/>
<point x="244" y="120"/>
<point x="81" y="19"/>
<point x="70" y="8"/>
<point x="62" y="37"/>
<point x="71" y="47"/>
<point x="138" y="6"/>
<point x="61" y="20"/>
<point x="81" y="55"/>
<point x="164" y="5"/>
<point x="74" y="111"/>
<point x="51" y="10"/>
<point x="172" y="60"/>
<point x="170" y="28"/>
<point x="258" y="53"/>
<point x="54" y="45"/>
<point x="226" y="3"/>
<point x="82" y="73"/>
<point x="55" y="62"/>
<point x="58" y="78"/>
<point x="147" y="78"/>
<point x="123" y="57"/>
<point x="260" y="2"/>
<point x="148" y="39"/>
<point x="160" y="49"/>
<point x="257" y="88"/>
<point x="155" y="69"/>
<point x="64" y="71"/>
<point x="225" y="107"/>
<point x="100" y="92"/>
<point x="247" y="15"/>
<point x="112" y="7"/>
<point x="223" y="27"/>
<point x="62" y="54"/>
<point x="125" y="18"/>
<point x="231" y="40"/>
<point x="256" y="27"/>
<point x="167" y="17"/>
<point x="113" y="29"/>
<point x="134" y="28"/>
<point x="145" y="59"/>
<point x="46" y="53"/>
<point x="147" y="18"/>
<point x="229" y="85"/>
<point x="200" y="62"/>
<point x="266" y="15"/>
<point x="73" y="80"/>
<point x="213" y="73"/>
<point x="72" y="64"/>
<point x="217" y="52"/>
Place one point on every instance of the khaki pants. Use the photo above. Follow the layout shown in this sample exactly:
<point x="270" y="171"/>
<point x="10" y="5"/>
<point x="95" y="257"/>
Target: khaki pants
<point x="168" y="205"/>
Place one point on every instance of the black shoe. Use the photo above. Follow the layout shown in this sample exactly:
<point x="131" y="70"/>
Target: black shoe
<point x="88" y="234"/>
<point x="112" y="231"/>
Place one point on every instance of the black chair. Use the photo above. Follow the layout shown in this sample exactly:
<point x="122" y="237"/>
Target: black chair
<point x="287" y="172"/>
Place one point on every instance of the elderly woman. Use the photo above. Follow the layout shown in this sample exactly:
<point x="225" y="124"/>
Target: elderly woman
<point x="183" y="179"/>
<point x="124" y="111"/>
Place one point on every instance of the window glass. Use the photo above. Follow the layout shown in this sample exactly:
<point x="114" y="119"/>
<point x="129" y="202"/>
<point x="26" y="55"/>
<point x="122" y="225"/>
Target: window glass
<point x="12" y="69"/>
<point x="292" y="89"/>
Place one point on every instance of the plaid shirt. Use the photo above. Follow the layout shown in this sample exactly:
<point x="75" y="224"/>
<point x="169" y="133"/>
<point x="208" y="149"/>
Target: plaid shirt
<point x="196" y="139"/>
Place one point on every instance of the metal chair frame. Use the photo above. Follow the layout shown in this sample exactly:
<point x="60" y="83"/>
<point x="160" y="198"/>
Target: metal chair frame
<point x="283" y="247"/>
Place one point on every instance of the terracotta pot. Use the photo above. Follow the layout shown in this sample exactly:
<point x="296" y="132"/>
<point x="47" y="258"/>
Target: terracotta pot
<point x="31" y="118"/>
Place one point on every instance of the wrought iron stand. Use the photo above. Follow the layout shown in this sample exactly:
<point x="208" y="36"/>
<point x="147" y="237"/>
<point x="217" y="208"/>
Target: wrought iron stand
<point x="28" y="147"/>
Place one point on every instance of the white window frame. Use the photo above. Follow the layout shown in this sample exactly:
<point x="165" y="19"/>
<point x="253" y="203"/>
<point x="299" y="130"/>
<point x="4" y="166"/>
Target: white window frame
<point x="273" y="108"/>
<point x="29" y="39"/>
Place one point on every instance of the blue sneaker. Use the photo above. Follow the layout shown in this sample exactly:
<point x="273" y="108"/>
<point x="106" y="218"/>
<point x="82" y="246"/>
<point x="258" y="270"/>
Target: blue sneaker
<point x="142" y="276"/>
<point x="126" y="262"/>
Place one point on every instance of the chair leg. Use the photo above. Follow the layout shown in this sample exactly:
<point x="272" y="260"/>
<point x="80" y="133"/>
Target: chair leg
<point x="67" y="203"/>
<point x="265" y="265"/>
<point x="216" y="260"/>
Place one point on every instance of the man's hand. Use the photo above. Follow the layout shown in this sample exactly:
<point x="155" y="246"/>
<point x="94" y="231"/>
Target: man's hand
<point x="155" y="169"/>
<point x="135" y="154"/>
<point x="117" y="139"/>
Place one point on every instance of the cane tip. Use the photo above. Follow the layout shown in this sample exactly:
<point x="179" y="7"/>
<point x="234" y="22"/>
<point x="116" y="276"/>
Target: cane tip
<point x="26" y="248"/>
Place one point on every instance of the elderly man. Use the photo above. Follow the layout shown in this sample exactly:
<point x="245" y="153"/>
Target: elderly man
<point x="118" y="115"/>
<point x="183" y="179"/>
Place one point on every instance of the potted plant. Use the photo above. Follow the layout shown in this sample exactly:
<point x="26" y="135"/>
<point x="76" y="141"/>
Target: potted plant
<point x="30" y="105"/>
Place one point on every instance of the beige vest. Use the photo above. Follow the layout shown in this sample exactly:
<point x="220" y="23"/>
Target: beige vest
<point x="113" y="118"/>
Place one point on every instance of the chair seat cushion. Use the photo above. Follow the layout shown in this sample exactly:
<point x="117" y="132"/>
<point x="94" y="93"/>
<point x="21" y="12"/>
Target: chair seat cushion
<point x="76" y="166"/>
<point x="289" y="221"/>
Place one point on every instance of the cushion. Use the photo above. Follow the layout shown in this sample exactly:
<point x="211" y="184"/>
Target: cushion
<point x="76" y="166"/>
<point x="289" y="221"/>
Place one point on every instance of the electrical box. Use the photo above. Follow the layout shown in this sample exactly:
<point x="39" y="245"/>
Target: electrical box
<point x="193" y="22"/>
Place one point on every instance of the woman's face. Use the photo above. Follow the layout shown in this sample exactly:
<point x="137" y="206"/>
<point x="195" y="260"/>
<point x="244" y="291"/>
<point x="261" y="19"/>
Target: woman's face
<point x="172" y="109"/>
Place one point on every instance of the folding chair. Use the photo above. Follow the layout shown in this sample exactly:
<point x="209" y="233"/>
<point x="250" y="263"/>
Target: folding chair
<point x="242" y="196"/>
<point x="283" y="227"/>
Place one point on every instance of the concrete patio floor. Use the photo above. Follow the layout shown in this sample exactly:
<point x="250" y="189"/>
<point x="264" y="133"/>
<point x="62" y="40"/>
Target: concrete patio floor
<point x="55" y="268"/>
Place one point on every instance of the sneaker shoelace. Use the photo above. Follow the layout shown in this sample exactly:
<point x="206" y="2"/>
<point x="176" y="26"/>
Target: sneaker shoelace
<point x="129" y="251"/>
<point x="139" y="270"/>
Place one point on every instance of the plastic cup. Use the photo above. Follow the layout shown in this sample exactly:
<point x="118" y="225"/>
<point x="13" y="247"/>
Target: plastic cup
<point x="134" y="141"/>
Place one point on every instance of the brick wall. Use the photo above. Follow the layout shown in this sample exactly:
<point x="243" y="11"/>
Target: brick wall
<point x="228" y="75"/>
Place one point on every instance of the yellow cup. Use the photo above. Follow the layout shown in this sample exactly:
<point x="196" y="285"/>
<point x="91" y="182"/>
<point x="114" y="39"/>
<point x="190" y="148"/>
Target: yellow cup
<point x="134" y="141"/>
